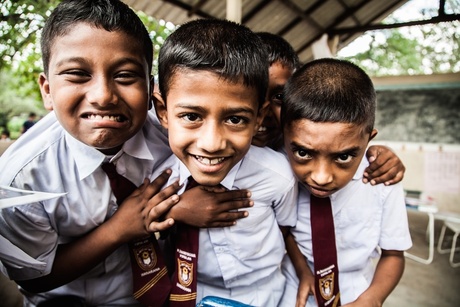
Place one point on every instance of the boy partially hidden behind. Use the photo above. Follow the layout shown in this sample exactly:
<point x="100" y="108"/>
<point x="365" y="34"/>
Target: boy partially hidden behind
<point x="328" y="119"/>
<point x="213" y="77"/>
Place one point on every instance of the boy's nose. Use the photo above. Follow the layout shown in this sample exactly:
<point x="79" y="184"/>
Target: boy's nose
<point x="101" y="93"/>
<point x="211" y="138"/>
<point x="321" y="174"/>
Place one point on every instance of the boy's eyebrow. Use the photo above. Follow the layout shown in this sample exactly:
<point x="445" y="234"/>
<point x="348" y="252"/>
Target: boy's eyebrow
<point x="226" y="110"/>
<point x="337" y="153"/>
<point x="82" y="60"/>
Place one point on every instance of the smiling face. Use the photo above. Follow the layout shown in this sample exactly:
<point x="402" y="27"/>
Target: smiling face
<point x="325" y="156"/>
<point x="270" y="129"/>
<point x="98" y="85"/>
<point x="210" y="122"/>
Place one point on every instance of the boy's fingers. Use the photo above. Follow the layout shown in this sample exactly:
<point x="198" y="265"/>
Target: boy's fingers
<point x="160" y="209"/>
<point x="161" y="180"/>
<point x="154" y="188"/>
<point x="230" y="195"/>
<point x="161" y="226"/>
<point x="231" y="205"/>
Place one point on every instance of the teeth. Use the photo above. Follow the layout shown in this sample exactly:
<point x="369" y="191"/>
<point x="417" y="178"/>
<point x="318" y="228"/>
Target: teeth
<point x="262" y="129"/>
<point x="106" y="117"/>
<point x="208" y="161"/>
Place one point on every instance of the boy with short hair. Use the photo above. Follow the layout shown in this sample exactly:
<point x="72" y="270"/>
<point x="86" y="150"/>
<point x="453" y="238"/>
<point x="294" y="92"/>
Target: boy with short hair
<point x="97" y="59"/>
<point x="213" y="78"/>
<point x="385" y="165"/>
<point x="328" y="120"/>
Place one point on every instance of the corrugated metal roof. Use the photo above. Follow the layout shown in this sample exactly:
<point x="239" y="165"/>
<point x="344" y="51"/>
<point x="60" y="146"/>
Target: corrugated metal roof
<point x="300" y="22"/>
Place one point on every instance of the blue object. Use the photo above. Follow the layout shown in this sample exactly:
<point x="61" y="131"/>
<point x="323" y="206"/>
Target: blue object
<point x="214" y="301"/>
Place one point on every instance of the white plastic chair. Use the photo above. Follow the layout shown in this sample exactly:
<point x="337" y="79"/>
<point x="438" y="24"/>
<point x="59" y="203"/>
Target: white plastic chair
<point x="455" y="227"/>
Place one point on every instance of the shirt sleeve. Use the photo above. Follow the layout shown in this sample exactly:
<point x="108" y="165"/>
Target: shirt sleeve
<point x="29" y="229"/>
<point x="395" y="233"/>
<point x="286" y="207"/>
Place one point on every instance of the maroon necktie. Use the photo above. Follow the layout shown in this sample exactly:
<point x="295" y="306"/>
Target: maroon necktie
<point x="183" y="292"/>
<point x="324" y="252"/>
<point x="151" y="284"/>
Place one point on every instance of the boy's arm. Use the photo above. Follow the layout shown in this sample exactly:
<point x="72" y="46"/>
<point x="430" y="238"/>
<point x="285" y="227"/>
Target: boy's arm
<point x="306" y="278"/>
<point x="387" y="275"/>
<point x="204" y="207"/>
<point x="135" y="218"/>
<point x="385" y="166"/>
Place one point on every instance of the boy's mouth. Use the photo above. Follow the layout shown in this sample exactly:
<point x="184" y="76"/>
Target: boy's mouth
<point x="209" y="161"/>
<point x="262" y="129"/>
<point x="114" y="118"/>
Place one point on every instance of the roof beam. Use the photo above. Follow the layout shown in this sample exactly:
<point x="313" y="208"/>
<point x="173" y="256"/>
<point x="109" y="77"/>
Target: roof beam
<point x="255" y="10"/>
<point x="306" y="17"/>
<point x="188" y="8"/>
<point x="337" y="21"/>
<point x="436" y="19"/>
<point x="196" y="7"/>
<point x="296" y="21"/>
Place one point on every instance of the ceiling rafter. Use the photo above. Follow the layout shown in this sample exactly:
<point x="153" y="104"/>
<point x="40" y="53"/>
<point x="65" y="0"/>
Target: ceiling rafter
<point x="298" y="11"/>
<point x="188" y="8"/>
<point x="316" y="6"/>
<point x="337" y="21"/>
<point x="260" y="6"/>
<point x="196" y="7"/>
<point x="345" y="22"/>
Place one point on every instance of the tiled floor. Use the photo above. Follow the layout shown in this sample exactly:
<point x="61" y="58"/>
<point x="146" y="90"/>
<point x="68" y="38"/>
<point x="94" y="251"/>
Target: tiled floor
<point x="426" y="285"/>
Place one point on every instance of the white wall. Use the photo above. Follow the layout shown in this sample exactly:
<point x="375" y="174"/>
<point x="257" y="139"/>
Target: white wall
<point x="433" y="169"/>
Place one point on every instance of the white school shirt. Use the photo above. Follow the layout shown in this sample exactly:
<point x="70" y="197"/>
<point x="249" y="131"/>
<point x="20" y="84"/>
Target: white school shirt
<point x="50" y="160"/>
<point x="243" y="258"/>
<point x="366" y="217"/>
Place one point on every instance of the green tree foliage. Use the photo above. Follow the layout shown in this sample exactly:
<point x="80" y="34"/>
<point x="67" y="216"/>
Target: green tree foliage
<point x="424" y="49"/>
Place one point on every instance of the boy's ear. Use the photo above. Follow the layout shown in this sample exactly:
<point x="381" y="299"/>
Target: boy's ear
<point x="261" y="115"/>
<point x="373" y="134"/>
<point x="45" y="91"/>
<point x="151" y="91"/>
<point x="160" y="109"/>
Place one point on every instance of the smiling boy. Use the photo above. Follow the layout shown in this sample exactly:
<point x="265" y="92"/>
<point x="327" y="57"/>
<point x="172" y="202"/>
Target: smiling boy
<point x="213" y="78"/>
<point x="97" y="59"/>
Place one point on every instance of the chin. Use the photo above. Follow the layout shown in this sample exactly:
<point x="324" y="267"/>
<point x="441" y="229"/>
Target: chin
<point x="207" y="181"/>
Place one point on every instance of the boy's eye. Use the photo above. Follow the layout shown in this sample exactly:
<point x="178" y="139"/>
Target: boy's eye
<point x="236" y="120"/>
<point x="302" y="154"/>
<point x="344" y="158"/>
<point x="126" y="77"/>
<point x="278" y="98"/>
<point x="191" y="117"/>
<point x="76" y="75"/>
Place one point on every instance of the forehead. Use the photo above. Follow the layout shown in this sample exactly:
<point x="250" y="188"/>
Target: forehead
<point x="194" y="85"/>
<point x="278" y="71"/>
<point x="86" y="40"/>
<point x="324" y="136"/>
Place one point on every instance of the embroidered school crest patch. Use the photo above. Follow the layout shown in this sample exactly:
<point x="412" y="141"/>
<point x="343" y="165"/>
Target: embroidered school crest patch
<point x="145" y="256"/>
<point x="326" y="285"/>
<point x="185" y="273"/>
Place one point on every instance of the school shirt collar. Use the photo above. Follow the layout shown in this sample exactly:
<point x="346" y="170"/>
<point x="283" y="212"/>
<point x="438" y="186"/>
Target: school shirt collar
<point x="88" y="158"/>
<point x="227" y="182"/>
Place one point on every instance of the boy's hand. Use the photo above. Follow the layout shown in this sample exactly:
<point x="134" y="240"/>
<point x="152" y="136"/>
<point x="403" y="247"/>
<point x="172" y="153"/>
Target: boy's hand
<point x="306" y="288"/>
<point x="205" y="207"/>
<point x="140" y="213"/>
<point x="385" y="166"/>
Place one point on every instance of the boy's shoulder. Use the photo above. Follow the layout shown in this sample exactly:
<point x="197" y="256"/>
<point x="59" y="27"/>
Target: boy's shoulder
<point x="29" y="146"/>
<point x="265" y="162"/>
<point x="358" y="190"/>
